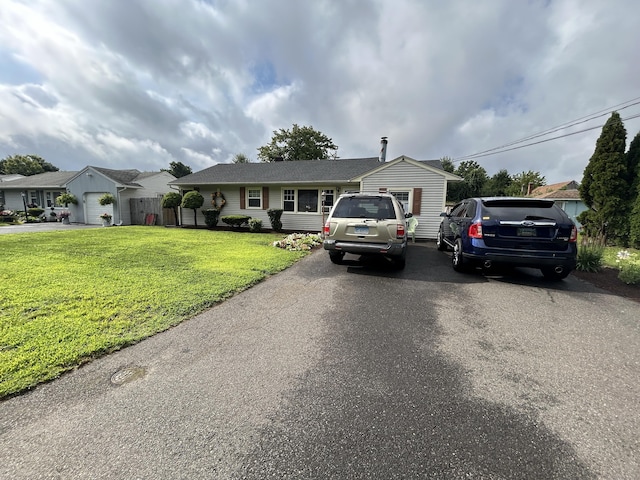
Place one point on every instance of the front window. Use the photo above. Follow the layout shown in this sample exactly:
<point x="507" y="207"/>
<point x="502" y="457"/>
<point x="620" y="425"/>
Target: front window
<point x="254" y="197"/>
<point x="289" y="200"/>
<point x="329" y="196"/>
<point x="307" y="200"/>
<point x="301" y="200"/>
<point x="403" y="198"/>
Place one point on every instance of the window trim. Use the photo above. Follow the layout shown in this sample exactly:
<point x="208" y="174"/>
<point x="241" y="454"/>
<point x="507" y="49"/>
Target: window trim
<point x="318" y="190"/>
<point x="249" y="198"/>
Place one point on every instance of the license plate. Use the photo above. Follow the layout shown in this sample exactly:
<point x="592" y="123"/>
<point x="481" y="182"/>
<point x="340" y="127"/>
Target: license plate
<point x="526" y="232"/>
<point x="363" y="230"/>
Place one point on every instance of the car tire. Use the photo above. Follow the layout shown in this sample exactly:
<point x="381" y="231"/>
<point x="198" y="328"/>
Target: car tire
<point x="400" y="263"/>
<point x="551" y="274"/>
<point x="336" y="257"/>
<point x="440" y="245"/>
<point x="458" y="262"/>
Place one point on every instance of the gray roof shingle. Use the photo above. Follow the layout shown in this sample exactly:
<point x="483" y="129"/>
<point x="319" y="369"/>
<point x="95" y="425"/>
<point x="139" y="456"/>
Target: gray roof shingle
<point x="41" y="180"/>
<point x="304" y="171"/>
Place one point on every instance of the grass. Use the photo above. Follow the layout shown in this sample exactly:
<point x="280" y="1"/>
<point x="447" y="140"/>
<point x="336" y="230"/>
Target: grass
<point x="70" y="296"/>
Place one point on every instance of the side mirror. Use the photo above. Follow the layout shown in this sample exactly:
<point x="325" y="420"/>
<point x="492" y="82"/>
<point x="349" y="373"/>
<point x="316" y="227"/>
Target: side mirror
<point x="444" y="214"/>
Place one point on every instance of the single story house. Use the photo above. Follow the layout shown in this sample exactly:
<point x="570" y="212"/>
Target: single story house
<point x="566" y="195"/>
<point x="88" y="185"/>
<point x="306" y="190"/>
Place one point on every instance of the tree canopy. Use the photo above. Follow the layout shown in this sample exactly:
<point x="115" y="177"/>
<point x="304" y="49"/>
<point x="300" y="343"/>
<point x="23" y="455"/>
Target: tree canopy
<point x="605" y="183"/>
<point x="178" y="169"/>
<point x="299" y="143"/>
<point x="241" y="158"/>
<point x="524" y="182"/>
<point x="26" y="165"/>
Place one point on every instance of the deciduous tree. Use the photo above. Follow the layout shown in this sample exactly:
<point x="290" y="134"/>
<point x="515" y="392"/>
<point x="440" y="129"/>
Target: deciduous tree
<point x="299" y="143"/>
<point x="26" y="165"/>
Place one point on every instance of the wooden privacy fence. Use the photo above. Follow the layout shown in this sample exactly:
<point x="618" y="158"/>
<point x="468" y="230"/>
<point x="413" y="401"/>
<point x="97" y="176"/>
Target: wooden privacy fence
<point x="149" y="211"/>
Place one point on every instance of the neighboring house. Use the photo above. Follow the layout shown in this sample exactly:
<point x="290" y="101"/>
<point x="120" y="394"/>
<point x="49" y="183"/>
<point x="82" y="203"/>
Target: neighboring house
<point x="298" y="187"/>
<point x="565" y="195"/>
<point x="88" y="185"/>
<point x="41" y="190"/>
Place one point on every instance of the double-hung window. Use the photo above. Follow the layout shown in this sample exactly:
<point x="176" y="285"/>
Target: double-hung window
<point x="289" y="200"/>
<point x="254" y="197"/>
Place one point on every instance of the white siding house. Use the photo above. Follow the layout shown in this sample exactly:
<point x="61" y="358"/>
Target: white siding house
<point x="297" y="188"/>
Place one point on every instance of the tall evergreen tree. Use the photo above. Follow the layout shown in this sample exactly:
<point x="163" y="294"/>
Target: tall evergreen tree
<point x="604" y="188"/>
<point x="633" y="168"/>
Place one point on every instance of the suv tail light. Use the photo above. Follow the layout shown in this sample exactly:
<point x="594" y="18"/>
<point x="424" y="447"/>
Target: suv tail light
<point x="574" y="235"/>
<point x="475" y="230"/>
<point x="326" y="229"/>
<point x="400" y="231"/>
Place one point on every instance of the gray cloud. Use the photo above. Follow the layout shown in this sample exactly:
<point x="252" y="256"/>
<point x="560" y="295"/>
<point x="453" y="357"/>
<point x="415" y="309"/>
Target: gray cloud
<point x="120" y="84"/>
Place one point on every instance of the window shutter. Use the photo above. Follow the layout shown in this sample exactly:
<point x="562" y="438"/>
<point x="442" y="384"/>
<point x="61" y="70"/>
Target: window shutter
<point x="243" y="198"/>
<point x="265" y="198"/>
<point x="417" y="200"/>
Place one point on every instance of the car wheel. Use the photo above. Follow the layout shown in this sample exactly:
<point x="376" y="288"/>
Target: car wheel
<point x="440" y="245"/>
<point x="554" y="275"/>
<point x="457" y="257"/>
<point x="336" y="257"/>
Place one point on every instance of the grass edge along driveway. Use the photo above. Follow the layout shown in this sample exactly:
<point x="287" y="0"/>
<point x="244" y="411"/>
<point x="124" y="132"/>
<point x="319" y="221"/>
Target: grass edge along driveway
<point x="70" y="296"/>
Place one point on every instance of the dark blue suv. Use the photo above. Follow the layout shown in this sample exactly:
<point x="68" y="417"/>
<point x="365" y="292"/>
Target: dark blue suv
<point x="525" y="232"/>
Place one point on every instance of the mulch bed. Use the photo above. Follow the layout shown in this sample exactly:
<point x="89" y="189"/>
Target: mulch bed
<point x="607" y="279"/>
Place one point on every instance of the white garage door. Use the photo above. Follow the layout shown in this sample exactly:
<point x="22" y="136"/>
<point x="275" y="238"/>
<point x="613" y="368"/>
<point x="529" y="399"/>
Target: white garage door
<point x="93" y="209"/>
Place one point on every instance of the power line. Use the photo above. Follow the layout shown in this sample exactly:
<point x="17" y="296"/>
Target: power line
<point x="490" y="152"/>
<point x="581" y="120"/>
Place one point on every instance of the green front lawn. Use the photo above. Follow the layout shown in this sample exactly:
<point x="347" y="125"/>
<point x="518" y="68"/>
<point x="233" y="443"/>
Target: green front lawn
<point x="69" y="296"/>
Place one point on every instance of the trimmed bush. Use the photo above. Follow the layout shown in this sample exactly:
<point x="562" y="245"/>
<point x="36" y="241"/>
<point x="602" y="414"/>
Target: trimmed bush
<point x="274" y="218"/>
<point x="35" y="212"/>
<point x="255" y="225"/>
<point x="211" y="216"/>
<point x="236" y="220"/>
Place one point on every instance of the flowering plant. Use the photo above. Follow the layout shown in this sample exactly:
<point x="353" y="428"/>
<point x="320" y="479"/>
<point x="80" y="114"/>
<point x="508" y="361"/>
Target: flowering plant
<point x="299" y="242"/>
<point x="65" y="214"/>
<point x="629" y="268"/>
<point x="105" y="216"/>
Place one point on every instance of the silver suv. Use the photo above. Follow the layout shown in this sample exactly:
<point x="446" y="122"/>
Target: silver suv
<point x="366" y="224"/>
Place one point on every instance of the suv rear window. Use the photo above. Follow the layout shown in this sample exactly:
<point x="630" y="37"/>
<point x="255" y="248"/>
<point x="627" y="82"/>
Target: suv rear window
<point x="522" y="209"/>
<point x="364" y="207"/>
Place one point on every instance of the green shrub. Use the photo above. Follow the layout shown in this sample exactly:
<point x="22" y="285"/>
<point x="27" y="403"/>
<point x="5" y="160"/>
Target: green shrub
<point x="211" y="216"/>
<point x="630" y="273"/>
<point x="629" y="267"/>
<point x="235" y="220"/>
<point x="590" y="252"/>
<point x="274" y="218"/>
<point x="35" y="212"/>
<point x="255" y="225"/>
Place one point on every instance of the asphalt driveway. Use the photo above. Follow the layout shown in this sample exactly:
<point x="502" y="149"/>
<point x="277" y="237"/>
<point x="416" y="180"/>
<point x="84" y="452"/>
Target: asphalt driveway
<point x="354" y="371"/>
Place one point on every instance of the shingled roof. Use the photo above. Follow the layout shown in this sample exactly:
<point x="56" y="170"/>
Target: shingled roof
<point x="41" y="180"/>
<point x="558" y="191"/>
<point x="307" y="171"/>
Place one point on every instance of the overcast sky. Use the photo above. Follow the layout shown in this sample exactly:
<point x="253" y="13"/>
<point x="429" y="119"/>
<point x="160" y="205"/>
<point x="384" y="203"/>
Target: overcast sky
<point x="142" y="83"/>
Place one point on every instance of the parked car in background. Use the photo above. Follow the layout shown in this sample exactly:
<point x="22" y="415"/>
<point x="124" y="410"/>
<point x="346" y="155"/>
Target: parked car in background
<point x="514" y="231"/>
<point x="366" y="224"/>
